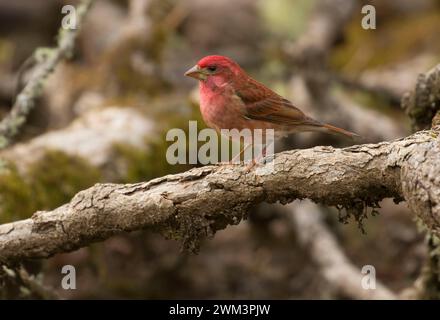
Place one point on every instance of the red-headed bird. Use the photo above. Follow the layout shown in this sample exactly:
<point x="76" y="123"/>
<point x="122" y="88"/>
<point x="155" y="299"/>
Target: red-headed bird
<point x="231" y="99"/>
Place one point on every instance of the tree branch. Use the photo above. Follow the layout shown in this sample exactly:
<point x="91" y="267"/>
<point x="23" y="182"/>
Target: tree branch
<point x="422" y="104"/>
<point x="193" y="205"/>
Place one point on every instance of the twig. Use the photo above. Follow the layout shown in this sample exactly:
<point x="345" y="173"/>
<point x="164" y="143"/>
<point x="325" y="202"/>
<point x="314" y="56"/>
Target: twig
<point x="35" y="286"/>
<point x="23" y="284"/>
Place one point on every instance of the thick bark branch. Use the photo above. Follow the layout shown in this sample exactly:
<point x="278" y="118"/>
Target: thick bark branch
<point x="194" y="205"/>
<point x="421" y="185"/>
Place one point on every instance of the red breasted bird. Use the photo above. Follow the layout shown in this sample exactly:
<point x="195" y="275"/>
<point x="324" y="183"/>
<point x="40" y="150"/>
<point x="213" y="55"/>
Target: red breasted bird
<point x="229" y="98"/>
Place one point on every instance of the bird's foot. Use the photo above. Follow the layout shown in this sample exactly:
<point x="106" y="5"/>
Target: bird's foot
<point x="250" y="166"/>
<point x="268" y="159"/>
<point x="258" y="162"/>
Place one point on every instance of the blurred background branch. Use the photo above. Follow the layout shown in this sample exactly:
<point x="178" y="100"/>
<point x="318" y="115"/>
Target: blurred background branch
<point x="46" y="60"/>
<point x="319" y="242"/>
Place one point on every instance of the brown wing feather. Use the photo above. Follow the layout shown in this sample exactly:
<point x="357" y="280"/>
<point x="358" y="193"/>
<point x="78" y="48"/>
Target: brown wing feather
<point x="263" y="104"/>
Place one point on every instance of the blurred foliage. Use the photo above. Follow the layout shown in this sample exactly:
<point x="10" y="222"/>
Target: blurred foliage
<point x="17" y="199"/>
<point x="285" y="18"/>
<point x="125" y="77"/>
<point x="6" y="51"/>
<point x="144" y="165"/>
<point x="376" y="102"/>
<point x="397" y="39"/>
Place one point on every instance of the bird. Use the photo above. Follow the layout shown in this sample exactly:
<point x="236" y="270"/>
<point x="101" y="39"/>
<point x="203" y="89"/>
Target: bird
<point x="231" y="99"/>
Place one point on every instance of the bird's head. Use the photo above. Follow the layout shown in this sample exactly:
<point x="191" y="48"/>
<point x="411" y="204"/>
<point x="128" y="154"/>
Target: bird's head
<point x="220" y="69"/>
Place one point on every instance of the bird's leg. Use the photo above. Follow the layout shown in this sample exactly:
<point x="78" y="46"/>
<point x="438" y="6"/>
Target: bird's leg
<point x="234" y="159"/>
<point x="238" y="156"/>
<point x="250" y="166"/>
<point x="265" y="151"/>
<point x="257" y="159"/>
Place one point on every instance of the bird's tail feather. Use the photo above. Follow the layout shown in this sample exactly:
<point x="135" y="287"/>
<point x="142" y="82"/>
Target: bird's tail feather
<point x="335" y="130"/>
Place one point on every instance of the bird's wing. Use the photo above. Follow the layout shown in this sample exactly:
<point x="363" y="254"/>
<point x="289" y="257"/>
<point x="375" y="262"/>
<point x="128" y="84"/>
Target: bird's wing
<point x="263" y="104"/>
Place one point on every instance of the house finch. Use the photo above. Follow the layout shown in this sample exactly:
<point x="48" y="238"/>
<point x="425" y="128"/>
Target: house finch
<point x="229" y="98"/>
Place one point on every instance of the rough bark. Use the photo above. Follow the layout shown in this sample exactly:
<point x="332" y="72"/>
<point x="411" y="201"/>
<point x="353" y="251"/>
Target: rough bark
<point x="194" y="205"/>
<point x="421" y="186"/>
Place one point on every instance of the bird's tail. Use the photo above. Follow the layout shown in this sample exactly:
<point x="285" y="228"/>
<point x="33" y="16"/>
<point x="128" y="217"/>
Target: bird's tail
<point x="335" y="130"/>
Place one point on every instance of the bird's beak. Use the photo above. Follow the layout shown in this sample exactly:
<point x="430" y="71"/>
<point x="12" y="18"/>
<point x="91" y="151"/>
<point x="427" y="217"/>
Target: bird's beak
<point x="196" y="73"/>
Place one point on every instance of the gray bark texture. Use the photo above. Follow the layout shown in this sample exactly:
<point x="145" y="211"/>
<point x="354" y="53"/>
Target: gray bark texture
<point x="193" y="205"/>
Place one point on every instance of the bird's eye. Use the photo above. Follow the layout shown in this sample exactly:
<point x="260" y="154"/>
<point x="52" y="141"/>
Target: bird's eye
<point x="211" y="68"/>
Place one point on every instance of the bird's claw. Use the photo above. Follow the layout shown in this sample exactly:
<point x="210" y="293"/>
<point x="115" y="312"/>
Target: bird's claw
<point x="250" y="166"/>
<point x="256" y="162"/>
<point x="253" y="163"/>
